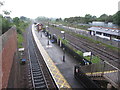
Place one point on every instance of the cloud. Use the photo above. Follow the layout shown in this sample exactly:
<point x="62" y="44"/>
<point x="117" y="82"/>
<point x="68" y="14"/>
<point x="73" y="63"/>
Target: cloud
<point x="60" y="8"/>
<point x="119" y="6"/>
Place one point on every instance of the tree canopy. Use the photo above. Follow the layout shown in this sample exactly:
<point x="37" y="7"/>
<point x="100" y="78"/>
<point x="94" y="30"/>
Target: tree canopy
<point x="8" y="22"/>
<point x="116" y="18"/>
<point x="89" y="18"/>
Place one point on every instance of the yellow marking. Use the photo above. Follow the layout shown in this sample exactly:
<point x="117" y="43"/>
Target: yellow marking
<point x="102" y="72"/>
<point x="57" y="76"/>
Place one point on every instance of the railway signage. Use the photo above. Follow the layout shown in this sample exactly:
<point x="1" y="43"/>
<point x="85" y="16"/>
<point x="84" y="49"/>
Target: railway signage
<point x="62" y="31"/>
<point x="87" y="54"/>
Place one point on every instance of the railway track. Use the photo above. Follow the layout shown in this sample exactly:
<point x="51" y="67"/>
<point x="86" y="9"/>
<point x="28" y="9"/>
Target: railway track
<point x="91" y="48"/>
<point x="38" y="72"/>
<point x="85" y="46"/>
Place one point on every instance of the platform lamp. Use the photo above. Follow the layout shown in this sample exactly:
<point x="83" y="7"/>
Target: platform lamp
<point x="48" y="39"/>
<point x="63" y="32"/>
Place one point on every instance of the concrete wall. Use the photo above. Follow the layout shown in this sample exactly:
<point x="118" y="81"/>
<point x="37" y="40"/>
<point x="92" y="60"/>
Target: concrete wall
<point x="9" y="48"/>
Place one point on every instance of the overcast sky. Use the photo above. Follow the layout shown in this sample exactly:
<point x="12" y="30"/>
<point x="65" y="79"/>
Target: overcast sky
<point x="60" y="8"/>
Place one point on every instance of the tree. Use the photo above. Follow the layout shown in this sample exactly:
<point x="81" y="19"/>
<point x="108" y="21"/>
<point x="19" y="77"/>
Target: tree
<point x="16" y="20"/>
<point x="6" y="12"/>
<point x="88" y="18"/>
<point x="6" y="24"/>
<point x="58" y="19"/>
<point x="116" y="18"/>
<point x="1" y="3"/>
<point x="103" y="17"/>
<point x="110" y="18"/>
<point x="23" y="18"/>
<point x="94" y="18"/>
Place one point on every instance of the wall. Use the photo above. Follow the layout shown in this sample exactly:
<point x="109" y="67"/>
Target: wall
<point x="9" y="48"/>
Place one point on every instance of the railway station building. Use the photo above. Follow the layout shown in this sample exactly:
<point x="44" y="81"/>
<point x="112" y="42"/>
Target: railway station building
<point x="104" y="32"/>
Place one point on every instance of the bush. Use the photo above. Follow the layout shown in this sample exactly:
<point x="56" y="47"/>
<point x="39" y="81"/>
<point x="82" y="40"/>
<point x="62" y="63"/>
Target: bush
<point x="6" y="24"/>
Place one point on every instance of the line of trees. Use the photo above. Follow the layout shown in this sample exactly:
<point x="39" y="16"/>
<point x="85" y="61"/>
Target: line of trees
<point x="89" y="18"/>
<point x="8" y="22"/>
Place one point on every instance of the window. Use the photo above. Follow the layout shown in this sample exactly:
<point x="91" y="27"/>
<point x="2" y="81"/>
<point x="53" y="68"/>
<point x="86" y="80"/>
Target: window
<point x="106" y="29"/>
<point x="117" y="31"/>
<point x="98" y="33"/>
<point x="113" y="30"/>
<point x="105" y="34"/>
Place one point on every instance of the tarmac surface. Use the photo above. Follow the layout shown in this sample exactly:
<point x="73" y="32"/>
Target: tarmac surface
<point x="56" y="54"/>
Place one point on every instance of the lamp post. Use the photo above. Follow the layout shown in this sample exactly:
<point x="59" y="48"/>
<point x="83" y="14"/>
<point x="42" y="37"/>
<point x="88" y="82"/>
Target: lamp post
<point x="48" y="39"/>
<point x="41" y="33"/>
<point x="63" y="32"/>
<point x="47" y="33"/>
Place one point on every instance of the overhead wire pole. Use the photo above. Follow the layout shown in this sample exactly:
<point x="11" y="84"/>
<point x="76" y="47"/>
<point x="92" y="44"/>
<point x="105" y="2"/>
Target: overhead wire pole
<point x="41" y="30"/>
<point x="91" y="62"/>
<point x="47" y="27"/>
<point x="64" y="50"/>
<point x="63" y="32"/>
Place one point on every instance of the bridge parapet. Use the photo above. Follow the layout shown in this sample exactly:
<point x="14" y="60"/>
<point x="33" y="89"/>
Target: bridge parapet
<point x="104" y="71"/>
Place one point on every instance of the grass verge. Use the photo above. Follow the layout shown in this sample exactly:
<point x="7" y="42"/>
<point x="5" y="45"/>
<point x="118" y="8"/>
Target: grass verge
<point x="20" y="40"/>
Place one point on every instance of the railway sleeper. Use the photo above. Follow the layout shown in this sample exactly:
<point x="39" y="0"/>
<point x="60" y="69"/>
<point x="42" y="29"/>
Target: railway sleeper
<point x="40" y="85"/>
<point x="37" y="72"/>
<point x="43" y="87"/>
<point x="34" y="62"/>
<point x="29" y="78"/>
<point x="30" y="81"/>
<point x="37" y="75"/>
<point x="35" y="66"/>
<point x="39" y="79"/>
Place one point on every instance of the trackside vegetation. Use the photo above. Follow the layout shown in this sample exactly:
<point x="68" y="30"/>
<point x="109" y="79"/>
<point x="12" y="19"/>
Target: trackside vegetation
<point x="20" y="24"/>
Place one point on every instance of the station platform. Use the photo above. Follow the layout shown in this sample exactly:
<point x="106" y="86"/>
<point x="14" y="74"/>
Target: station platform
<point x="62" y="72"/>
<point x="56" y="74"/>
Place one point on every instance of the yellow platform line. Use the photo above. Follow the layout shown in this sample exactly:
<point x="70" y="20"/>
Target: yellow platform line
<point x="102" y="72"/>
<point x="58" y="77"/>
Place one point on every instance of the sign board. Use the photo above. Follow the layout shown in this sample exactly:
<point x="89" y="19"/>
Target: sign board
<point x="60" y="43"/>
<point x="87" y="54"/>
<point x="21" y="49"/>
<point x="62" y="31"/>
